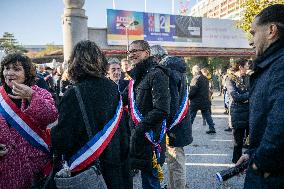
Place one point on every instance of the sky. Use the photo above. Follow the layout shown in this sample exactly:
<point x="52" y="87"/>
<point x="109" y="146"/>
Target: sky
<point x="38" y="22"/>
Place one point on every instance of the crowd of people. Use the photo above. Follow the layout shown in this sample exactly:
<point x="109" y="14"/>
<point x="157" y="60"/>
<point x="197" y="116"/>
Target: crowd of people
<point x="115" y="117"/>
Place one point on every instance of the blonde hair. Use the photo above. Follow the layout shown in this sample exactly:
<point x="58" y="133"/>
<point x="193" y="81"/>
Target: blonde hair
<point x="65" y="75"/>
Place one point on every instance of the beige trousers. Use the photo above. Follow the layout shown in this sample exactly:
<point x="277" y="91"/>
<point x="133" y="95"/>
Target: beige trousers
<point x="175" y="158"/>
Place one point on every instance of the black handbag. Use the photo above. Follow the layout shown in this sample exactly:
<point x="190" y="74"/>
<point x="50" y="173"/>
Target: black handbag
<point x="90" y="178"/>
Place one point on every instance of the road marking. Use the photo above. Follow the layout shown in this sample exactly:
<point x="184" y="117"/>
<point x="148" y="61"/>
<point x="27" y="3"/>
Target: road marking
<point x="207" y="154"/>
<point x="215" y="116"/>
<point x="211" y="164"/>
<point x="221" y="140"/>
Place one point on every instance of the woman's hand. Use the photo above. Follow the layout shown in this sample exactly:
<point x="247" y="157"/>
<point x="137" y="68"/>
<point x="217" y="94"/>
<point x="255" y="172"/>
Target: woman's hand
<point x="21" y="91"/>
<point x="3" y="150"/>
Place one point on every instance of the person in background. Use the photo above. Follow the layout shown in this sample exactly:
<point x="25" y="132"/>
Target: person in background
<point x="22" y="157"/>
<point x="199" y="98"/>
<point x="40" y="82"/>
<point x="207" y="74"/>
<point x="224" y="90"/>
<point x="114" y="74"/>
<point x="179" y="134"/>
<point x="238" y="91"/>
<point x="43" y="73"/>
<point x="87" y="69"/>
<point x="41" y="70"/>
<point x="266" y="120"/>
<point x="64" y="83"/>
<point x="148" y="98"/>
<point x="125" y="67"/>
<point x="227" y="100"/>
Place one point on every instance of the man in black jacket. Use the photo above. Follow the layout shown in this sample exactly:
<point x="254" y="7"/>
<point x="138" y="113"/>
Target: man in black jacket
<point x="152" y="99"/>
<point x="180" y="134"/>
<point x="199" y="98"/>
<point x="266" y="116"/>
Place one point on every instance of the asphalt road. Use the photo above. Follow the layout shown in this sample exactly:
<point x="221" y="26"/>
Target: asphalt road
<point x="208" y="154"/>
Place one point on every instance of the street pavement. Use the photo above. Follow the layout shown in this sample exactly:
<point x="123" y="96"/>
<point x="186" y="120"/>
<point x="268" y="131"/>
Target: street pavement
<point x="207" y="154"/>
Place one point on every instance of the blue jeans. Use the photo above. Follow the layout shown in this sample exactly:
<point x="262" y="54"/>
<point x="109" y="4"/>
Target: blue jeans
<point x="206" y="114"/>
<point x="150" y="180"/>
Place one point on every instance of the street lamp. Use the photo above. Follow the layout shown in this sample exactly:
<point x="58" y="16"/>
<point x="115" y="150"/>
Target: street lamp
<point x="126" y="27"/>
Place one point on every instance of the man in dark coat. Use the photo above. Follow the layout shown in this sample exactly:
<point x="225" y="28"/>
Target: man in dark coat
<point x="181" y="134"/>
<point x="114" y="73"/>
<point x="152" y="98"/>
<point x="199" y="98"/>
<point x="266" y="117"/>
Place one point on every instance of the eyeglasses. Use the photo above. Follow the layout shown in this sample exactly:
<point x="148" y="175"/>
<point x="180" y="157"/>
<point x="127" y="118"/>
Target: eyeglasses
<point x="135" y="50"/>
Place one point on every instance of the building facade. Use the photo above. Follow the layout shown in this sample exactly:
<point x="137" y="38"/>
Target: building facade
<point x="223" y="9"/>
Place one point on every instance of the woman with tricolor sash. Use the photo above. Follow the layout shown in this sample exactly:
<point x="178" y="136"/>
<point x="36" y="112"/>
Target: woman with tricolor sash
<point x="25" y="112"/>
<point x="109" y="144"/>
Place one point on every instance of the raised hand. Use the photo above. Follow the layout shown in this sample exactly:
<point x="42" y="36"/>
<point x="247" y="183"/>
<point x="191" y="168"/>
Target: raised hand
<point x="21" y="91"/>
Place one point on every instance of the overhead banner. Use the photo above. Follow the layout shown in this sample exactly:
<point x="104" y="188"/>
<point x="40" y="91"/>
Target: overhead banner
<point x="173" y="30"/>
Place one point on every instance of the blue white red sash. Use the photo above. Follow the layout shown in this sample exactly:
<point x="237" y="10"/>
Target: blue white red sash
<point x="94" y="147"/>
<point x="137" y="117"/>
<point x="24" y="125"/>
<point x="182" y="111"/>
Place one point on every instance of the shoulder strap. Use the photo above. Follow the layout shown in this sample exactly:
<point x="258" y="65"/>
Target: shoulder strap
<point x="83" y="111"/>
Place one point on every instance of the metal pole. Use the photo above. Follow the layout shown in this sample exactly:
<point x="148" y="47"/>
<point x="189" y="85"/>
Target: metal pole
<point x="127" y="37"/>
<point x="113" y="4"/>
<point x="173" y="6"/>
<point x="127" y="43"/>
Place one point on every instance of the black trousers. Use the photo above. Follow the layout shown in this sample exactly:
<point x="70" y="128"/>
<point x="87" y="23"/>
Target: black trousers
<point x="238" y="134"/>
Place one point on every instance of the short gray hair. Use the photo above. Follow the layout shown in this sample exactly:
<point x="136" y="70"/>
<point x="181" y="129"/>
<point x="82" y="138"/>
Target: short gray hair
<point x="113" y="61"/>
<point x="158" y="51"/>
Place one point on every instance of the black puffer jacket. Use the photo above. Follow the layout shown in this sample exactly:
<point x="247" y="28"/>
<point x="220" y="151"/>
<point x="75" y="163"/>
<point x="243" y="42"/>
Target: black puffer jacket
<point x="199" y="93"/>
<point x="181" y="134"/>
<point x="101" y="97"/>
<point x="237" y="88"/>
<point x="152" y="97"/>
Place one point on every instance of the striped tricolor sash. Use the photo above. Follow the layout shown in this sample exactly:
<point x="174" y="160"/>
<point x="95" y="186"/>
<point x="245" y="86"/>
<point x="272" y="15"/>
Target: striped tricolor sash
<point x="94" y="147"/>
<point x="137" y="117"/>
<point x="22" y="123"/>
<point x="182" y="111"/>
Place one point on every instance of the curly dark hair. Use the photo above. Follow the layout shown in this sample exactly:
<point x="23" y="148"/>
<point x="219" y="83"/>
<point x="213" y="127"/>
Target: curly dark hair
<point x="87" y="60"/>
<point x="29" y="68"/>
<point x="273" y="14"/>
<point x="239" y="62"/>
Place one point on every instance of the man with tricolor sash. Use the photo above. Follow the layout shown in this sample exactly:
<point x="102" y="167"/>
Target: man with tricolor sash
<point x="148" y="98"/>
<point x="179" y="130"/>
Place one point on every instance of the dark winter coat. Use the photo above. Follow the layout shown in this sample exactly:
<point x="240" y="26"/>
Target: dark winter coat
<point x="101" y="97"/>
<point x="266" y="119"/>
<point x="122" y="84"/>
<point x="181" y="134"/>
<point x="152" y="97"/>
<point x="237" y="88"/>
<point x="199" y="93"/>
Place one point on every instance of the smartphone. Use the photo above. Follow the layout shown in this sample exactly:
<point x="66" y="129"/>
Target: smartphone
<point x="2" y="148"/>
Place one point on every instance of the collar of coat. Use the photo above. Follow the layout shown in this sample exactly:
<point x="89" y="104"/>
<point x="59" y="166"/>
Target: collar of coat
<point x="141" y="68"/>
<point x="273" y="52"/>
